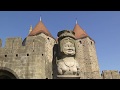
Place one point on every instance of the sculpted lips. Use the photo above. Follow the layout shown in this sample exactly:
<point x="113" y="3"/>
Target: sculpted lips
<point x="70" y="49"/>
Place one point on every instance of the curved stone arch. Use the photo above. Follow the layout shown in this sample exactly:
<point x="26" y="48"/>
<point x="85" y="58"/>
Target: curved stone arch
<point x="9" y="71"/>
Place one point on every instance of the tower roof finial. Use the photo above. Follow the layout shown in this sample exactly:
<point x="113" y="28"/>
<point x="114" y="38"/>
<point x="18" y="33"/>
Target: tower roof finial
<point x="76" y="20"/>
<point x="30" y="28"/>
<point x="40" y="18"/>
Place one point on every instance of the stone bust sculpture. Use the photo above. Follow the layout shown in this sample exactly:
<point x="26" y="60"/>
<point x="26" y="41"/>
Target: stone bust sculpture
<point x="66" y="64"/>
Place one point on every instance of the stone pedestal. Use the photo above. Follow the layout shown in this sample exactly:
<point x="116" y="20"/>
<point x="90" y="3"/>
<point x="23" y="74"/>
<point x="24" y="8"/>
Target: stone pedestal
<point x="68" y="77"/>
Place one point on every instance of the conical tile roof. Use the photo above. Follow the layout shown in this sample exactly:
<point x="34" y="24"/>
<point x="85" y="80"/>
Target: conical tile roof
<point x="40" y="28"/>
<point x="79" y="32"/>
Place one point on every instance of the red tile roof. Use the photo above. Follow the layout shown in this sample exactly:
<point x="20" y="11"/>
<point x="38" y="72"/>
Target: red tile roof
<point x="79" y="32"/>
<point x="40" y="28"/>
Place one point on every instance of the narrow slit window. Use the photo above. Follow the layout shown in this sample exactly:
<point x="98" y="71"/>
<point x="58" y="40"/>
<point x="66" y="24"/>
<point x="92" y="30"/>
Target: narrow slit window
<point x="80" y="42"/>
<point x="91" y="42"/>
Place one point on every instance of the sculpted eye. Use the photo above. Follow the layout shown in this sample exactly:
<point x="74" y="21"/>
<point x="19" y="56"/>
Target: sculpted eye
<point x="65" y="45"/>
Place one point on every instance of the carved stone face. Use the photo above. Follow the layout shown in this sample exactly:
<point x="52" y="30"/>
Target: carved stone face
<point x="68" y="48"/>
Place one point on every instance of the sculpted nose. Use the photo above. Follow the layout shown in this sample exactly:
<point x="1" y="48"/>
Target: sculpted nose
<point x="68" y="45"/>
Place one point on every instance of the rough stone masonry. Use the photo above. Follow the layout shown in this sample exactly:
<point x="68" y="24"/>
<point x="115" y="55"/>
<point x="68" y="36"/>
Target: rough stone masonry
<point x="36" y="57"/>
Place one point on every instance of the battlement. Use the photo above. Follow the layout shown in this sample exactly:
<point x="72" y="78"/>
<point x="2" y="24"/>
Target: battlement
<point x="37" y="51"/>
<point x="29" y="44"/>
<point x="13" y="43"/>
<point x="110" y="74"/>
<point x="17" y="42"/>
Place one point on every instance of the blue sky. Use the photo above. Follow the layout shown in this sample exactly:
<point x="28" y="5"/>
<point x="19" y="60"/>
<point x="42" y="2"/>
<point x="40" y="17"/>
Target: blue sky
<point x="102" y="26"/>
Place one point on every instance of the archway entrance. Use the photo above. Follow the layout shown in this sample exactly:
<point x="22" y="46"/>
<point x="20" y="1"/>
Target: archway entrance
<point x="4" y="74"/>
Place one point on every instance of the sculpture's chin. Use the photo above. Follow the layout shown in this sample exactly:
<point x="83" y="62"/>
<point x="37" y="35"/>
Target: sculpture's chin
<point x="70" y="54"/>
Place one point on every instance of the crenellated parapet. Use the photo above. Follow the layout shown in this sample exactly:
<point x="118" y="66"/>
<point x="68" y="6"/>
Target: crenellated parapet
<point x="110" y="74"/>
<point x="30" y="58"/>
<point x="40" y="56"/>
<point x="17" y="44"/>
<point x="13" y="43"/>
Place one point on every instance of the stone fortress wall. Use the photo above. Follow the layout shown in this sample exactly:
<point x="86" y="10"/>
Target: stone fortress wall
<point x="35" y="56"/>
<point x="29" y="59"/>
<point x="33" y="60"/>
